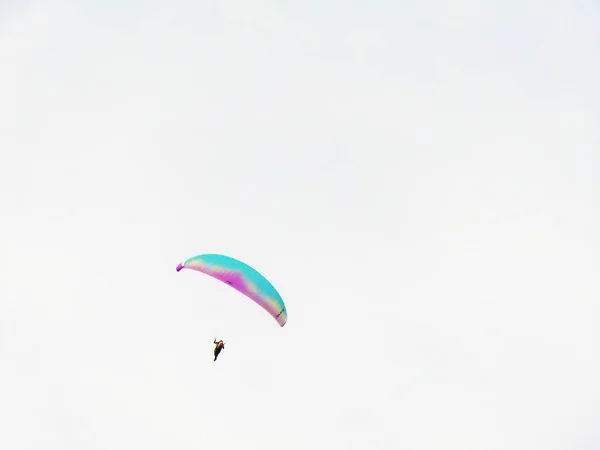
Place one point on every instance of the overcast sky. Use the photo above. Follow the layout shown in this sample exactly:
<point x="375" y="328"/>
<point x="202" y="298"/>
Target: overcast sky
<point x="419" y="180"/>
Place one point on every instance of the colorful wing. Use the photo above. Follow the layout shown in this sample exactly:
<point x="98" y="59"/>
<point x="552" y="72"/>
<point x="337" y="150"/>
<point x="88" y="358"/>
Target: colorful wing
<point x="241" y="277"/>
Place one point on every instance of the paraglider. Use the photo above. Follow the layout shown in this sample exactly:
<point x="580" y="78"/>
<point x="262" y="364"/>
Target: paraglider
<point x="218" y="347"/>
<point x="243" y="278"/>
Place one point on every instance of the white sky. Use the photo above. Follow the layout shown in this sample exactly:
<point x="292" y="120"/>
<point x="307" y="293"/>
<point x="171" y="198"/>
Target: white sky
<point x="418" y="179"/>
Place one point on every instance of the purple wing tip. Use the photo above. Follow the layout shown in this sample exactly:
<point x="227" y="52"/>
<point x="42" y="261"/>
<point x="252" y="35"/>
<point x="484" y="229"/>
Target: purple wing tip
<point x="179" y="267"/>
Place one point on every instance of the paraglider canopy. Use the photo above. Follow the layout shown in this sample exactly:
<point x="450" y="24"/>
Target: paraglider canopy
<point x="241" y="277"/>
